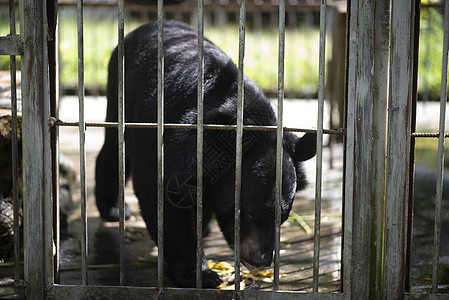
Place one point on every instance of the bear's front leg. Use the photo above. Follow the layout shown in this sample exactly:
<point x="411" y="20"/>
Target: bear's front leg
<point x="106" y="177"/>
<point x="179" y="244"/>
<point x="184" y="275"/>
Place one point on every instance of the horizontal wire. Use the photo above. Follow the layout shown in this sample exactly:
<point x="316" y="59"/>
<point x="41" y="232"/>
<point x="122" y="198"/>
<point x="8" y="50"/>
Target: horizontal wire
<point x="428" y="135"/>
<point x="193" y="126"/>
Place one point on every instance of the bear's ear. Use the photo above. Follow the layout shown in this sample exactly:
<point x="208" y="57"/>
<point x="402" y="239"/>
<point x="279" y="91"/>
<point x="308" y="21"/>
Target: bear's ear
<point x="305" y="147"/>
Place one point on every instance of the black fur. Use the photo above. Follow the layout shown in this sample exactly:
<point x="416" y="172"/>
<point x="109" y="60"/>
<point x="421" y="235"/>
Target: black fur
<point x="220" y="101"/>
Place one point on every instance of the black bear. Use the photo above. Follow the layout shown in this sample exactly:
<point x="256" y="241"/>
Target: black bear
<point x="180" y="102"/>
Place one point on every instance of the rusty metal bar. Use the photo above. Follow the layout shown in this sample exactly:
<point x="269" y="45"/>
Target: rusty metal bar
<point x="319" y="153"/>
<point x="440" y="166"/>
<point x="160" y="143"/>
<point x="428" y="135"/>
<point x="199" y="146"/>
<point x="53" y="53"/>
<point x="121" y="135"/>
<point x="279" y="145"/>
<point x="15" y="151"/>
<point x="348" y="189"/>
<point x="36" y="147"/>
<point x="398" y="147"/>
<point x="411" y="174"/>
<point x="15" y="171"/>
<point x="238" y="143"/>
<point x="82" y="136"/>
<point x="205" y="126"/>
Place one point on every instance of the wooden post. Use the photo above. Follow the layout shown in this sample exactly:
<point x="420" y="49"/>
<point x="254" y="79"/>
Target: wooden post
<point x="36" y="148"/>
<point x="398" y="147"/>
<point x="367" y="76"/>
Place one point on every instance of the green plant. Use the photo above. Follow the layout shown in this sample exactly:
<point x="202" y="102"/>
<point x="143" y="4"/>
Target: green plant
<point x="261" y="54"/>
<point x="430" y="54"/>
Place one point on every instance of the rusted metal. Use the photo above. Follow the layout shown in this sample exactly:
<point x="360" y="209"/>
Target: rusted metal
<point x="238" y="144"/>
<point x="364" y="274"/>
<point x="279" y="145"/>
<point x="199" y="146"/>
<point x="82" y="136"/>
<point x="160" y="143"/>
<point x="341" y="131"/>
<point x="121" y="135"/>
<point x="428" y="135"/>
<point x="15" y="152"/>
<point x="319" y="153"/>
<point x="416" y="42"/>
<point x="52" y="11"/>
<point x="440" y="164"/>
<point x="398" y="148"/>
<point x="348" y="150"/>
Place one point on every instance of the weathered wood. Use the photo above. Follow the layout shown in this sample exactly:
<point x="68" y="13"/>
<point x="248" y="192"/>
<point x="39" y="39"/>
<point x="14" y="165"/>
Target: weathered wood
<point x="398" y="147"/>
<point x="111" y="292"/>
<point x="36" y="150"/>
<point x="380" y="94"/>
<point x="365" y="152"/>
<point x="11" y="45"/>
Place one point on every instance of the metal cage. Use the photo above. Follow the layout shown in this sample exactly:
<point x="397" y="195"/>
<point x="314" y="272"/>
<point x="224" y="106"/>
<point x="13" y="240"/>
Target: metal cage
<point x="381" y="81"/>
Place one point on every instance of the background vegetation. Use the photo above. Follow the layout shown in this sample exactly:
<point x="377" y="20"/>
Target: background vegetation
<point x="301" y="63"/>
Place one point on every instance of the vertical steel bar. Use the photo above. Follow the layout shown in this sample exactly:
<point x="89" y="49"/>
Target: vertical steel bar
<point x="160" y="142"/>
<point x="279" y="144"/>
<point x="121" y="136"/>
<point x="411" y="175"/>
<point x="82" y="136"/>
<point x="349" y="186"/>
<point x="15" y="170"/>
<point x="440" y="167"/>
<point x="319" y="154"/>
<point x="398" y="147"/>
<point x="238" y="143"/>
<point x="15" y="149"/>
<point x="52" y="11"/>
<point x="36" y="146"/>
<point x="199" y="147"/>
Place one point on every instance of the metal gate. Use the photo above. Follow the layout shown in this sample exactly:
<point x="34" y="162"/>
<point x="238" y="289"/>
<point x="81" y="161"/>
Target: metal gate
<point x="381" y="75"/>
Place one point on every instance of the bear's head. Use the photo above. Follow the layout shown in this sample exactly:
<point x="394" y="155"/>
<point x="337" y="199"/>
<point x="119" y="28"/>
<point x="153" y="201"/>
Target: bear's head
<point x="258" y="194"/>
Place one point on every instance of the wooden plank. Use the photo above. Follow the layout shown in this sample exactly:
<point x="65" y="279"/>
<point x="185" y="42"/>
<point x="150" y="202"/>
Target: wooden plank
<point x="36" y="150"/>
<point x="11" y="45"/>
<point x="365" y="147"/>
<point x="398" y="147"/>
<point x="380" y="94"/>
<point x="111" y="292"/>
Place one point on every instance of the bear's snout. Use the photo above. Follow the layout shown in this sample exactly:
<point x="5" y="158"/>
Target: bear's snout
<point x="261" y="259"/>
<point x="254" y="255"/>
